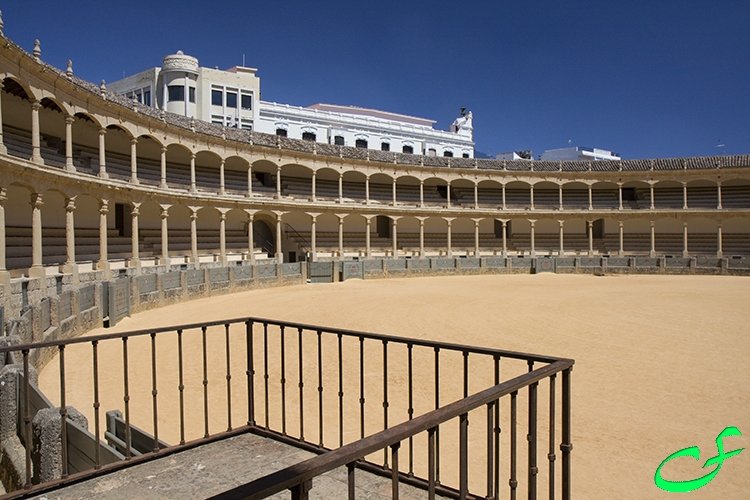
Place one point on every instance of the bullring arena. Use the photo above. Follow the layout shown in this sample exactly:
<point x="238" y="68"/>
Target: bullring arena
<point x="635" y="269"/>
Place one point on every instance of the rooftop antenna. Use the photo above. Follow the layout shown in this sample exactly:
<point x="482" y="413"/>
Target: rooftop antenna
<point x="243" y="60"/>
<point x="721" y="147"/>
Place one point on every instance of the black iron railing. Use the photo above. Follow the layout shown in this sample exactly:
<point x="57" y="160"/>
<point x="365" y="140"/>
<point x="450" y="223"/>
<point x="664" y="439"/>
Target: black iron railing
<point x="352" y="397"/>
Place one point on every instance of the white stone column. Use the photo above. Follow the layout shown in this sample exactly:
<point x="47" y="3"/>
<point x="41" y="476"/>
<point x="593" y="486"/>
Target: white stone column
<point x="560" y="196"/>
<point x="341" y="188"/>
<point x="70" y="235"/>
<point x="368" y="252"/>
<point x="718" y="187"/>
<point x="193" y="188"/>
<point x="341" y="234"/>
<point x="3" y="149"/>
<point x="69" y="143"/>
<point x="249" y="181"/>
<point x="278" y="183"/>
<point x="533" y="248"/>
<point x="279" y="252"/>
<point x="3" y="197"/>
<point x="36" y="271"/>
<point x="504" y="206"/>
<point x="685" y="239"/>
<point x="103" y="264"/>
<point x="449" y="220"/>
<point x="505" y="236"/>
<point x="684" y="196"/>
<point x="720" y="251"/>
<point x="194" y="235"/>
<point x="250" y="237"/>
<point x="476" y="237"/>
<point x="164" y="260"/>
<point x="394" y="192"/>
<point x="223" y="235"/>
<point x="590" y="225"/>
<point x="476" y="196"/>
<point x="102" y="154"/>
<point x="619" y="194"/>
<point x="591" y="197"/>
<point x="652" y="196"/>
<point x="163" y="159"/>
<point x="421" y="235"/>
<point x="448" y="194"/>
<point x="222" y="187"/>
<point x="421" y="193"/>
<point x="562" y="237"/>
<point x="186" y="90"/>
<point x="394" y="230"/>
<point x="36" y="155"/>
<point x="621" y="253"/>
<point x="313" y="236"/>
<point x="314" y="183"/>
<point x="531" y="196"/>
<point x="133" y="161"/>
<point x="135" y="260"/>
<point x="367" y="190"/>
<point x="652" y="253"/>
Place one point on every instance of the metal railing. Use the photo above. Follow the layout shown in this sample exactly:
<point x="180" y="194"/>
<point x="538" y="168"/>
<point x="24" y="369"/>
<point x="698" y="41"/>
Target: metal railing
<point x="352" y="397"/>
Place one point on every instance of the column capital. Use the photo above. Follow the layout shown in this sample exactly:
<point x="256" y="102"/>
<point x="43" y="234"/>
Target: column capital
<point x="135" y="209"/>
<point x="620" y="223"/>
<point x="504" y="221"/>
<point x="590" y="223"/>
<point x="395" y="218"/>
<point x="223" y="212"/>
<point x="368" y="217"/>
<point x="251" y="212"/>
<point x="561" y="222"/>
<point x="652" y="223"/>
<point x="314" y="215"/>
<point x="533" y="221"/>
<point x="477" y="220"/>
<point x="421" y="219"/>
<point x="192" y="156"/>
<point x="103" y="207"/>
<point x="69" y="119"/>
<point x="165" y="211"/>
<point x="194" y="212"/>
<point x="102" y="130"/>
<point x="164" y="149"/>
<point x="341" y="217"/>
<point x="134" y="141"/>
<point x="3" y="195"/>
<point x="36" y="200"/>
<point x="279" y="214"/>
<point x="36" y="104"/>
<point x="70" y="204"/>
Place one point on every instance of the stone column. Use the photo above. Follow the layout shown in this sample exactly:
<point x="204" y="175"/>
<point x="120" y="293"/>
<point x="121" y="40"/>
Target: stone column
<point x="250" y="237"/>
<point x="560" y="196"/>
<point x="279" y="252"/>
<point x="278" y="183"/>
<point x="193" y="188"/>
<point x="394" y="230"/>
<point x="421" y="235"/>
<point x="619" y="194"/>
<point x="194" y="235"/>
<point x="36" y="155"/>
<point x="449" y="220"/>
<point x="313" y="236"/>
<point x="341" y="188"/>
<point x="421" y="193"/>
<point x="504" y="206"/>
<point x="163" y="182"/>
<point x="590" y="228"/>
<point x="249" y="181"/>
<point x="505" y="236"/>
<point x="476" y="237"/>
<point x="685" y="239"/>
<point x="341" y="234"/>
<point x="652" y="253"/>
<point x="102" y="155"/>
<point x="448" y="194"/>
<point x="651" y="186"/>
<point x="562" y="235"/>
<point x="222" y="187"/>
<point x="621" y="253"/>
<point x="223" y="235"/>
<point x="533" y="248"/>
<point x="531" y="196"/>
<point x="135" y="260"/>
<point x="164" y="260"/>
<point x="720" y="251"/>
<point x="684" y="196"/>
<point x="314" y="176"/>
<point x="103" y="264"/>
<point x="133" y="161"/>
<point x="394" y="192"/>
<point x="3" y="149"/>
<point x="69" y="143"/>
<point x="36" y="271"/>
<point x="476" y="197"/>
<point x="718" y="187"/>
<point x="4" y="274"/>
<point x="591" y="197"/>
<point x="368" y="252"/>
<point x="70" y="236"/>
<point x="367" y="190"/>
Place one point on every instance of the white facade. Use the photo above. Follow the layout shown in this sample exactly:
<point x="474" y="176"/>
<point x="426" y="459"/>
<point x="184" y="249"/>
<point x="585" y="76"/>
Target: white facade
<point x="579" y="153"/>
<point x="232" y="98"/>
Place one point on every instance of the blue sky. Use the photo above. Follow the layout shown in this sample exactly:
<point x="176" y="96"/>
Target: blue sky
<point x="646" y="79"/>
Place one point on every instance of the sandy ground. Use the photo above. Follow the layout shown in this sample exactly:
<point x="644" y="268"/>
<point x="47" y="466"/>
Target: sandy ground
<point x="662" y="362"/>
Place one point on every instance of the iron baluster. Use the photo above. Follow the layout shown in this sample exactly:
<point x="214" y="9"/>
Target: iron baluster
<point x="229" y="379"/>
<point x="250" y="374"/>
<point x="551" y="456"/>
<point x="301" y="388"/>
<point x="265" y="370"/>
<point x="154" y="392"/>
<point x="513" y="482"/>
<point x="126" y="396"/>
<point x="566" y="447"/>
<point x="205" y="383"/>
<point x="385" y="398"/>
<point x="320" y="389"/>
<point x="181" y="387"/>
<point x="27" y="416"/>
<point x="341" y="391"/>
<point x="283" y="382"/>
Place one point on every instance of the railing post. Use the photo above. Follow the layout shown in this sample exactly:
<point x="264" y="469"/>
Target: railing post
<point x="27" y="416"/>
<point x="394" y="470"/>
<point x="512" y="481"/>
<point x="431" y="465"/>
<point x="551" y="456"/>
<point x="181" y="387"/>
<point x="229" y="380"/>
<point x="301" y="491"/>
<point x="463" y="456"/>
<point x="350" y="468"/>
<point x="250" y="372"/>
<point x="154" y="393"/>
<point x="532" y="440"/>
<point x="301" y="388"/>
<point x="205" y="383"/>
<point x="566" y="446"/>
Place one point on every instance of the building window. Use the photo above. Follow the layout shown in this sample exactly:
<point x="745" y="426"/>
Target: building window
<point x="465" y="155"/>
<point x="308" y="136"/>
<point x="147" y="97"/>
<point x="360" y="143"/>
<point x="191" y="92"/>
<point x="448" y="154"/>
<point x="408" y="150"/>
<point x="231" y="100"/>
<point x="385" y="146"/>
<point x="176" y="93"/>
<point x="431" y="152"/>
<point x="281" y="132"/>
<point x="338" y="140"/>
<point x="247" y="101"/>
<point x="216" y="98"/>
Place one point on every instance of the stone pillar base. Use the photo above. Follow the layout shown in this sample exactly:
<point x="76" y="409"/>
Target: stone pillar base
<point x="136" y="265"/>
<point x="38" y="272"/>
<point x="103" y="265"/>
<point x="71" y="269"/>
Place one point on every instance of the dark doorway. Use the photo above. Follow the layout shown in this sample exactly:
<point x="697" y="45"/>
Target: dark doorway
<point x="263" y="237"/>
<point x="383" y="225"/>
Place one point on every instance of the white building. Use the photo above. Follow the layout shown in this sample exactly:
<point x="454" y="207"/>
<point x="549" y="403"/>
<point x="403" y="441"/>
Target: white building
<point x="232" y="98"/>
<point x="579" y="153"/>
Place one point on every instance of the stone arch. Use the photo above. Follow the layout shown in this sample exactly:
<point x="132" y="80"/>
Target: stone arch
<point x="490" y="193"/>
<point x="702" y="193"/>
<point x="178" y="166"/>
<point x="148" y="154"/>
<point x="235" y="174"/>
<point x="207" y="166"/>
<point x="518" y="195"/>
<point x="381" y="188"/>
<point x="407" y="190"/>
<point x="354" y="186"/>
<point x="546" y="195"/>
<point x="462" y="192"/>
<point x="605" y="195"/>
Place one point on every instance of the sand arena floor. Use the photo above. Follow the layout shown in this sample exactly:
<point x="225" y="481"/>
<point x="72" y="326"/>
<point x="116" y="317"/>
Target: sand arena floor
<point x="662" y="362"/>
